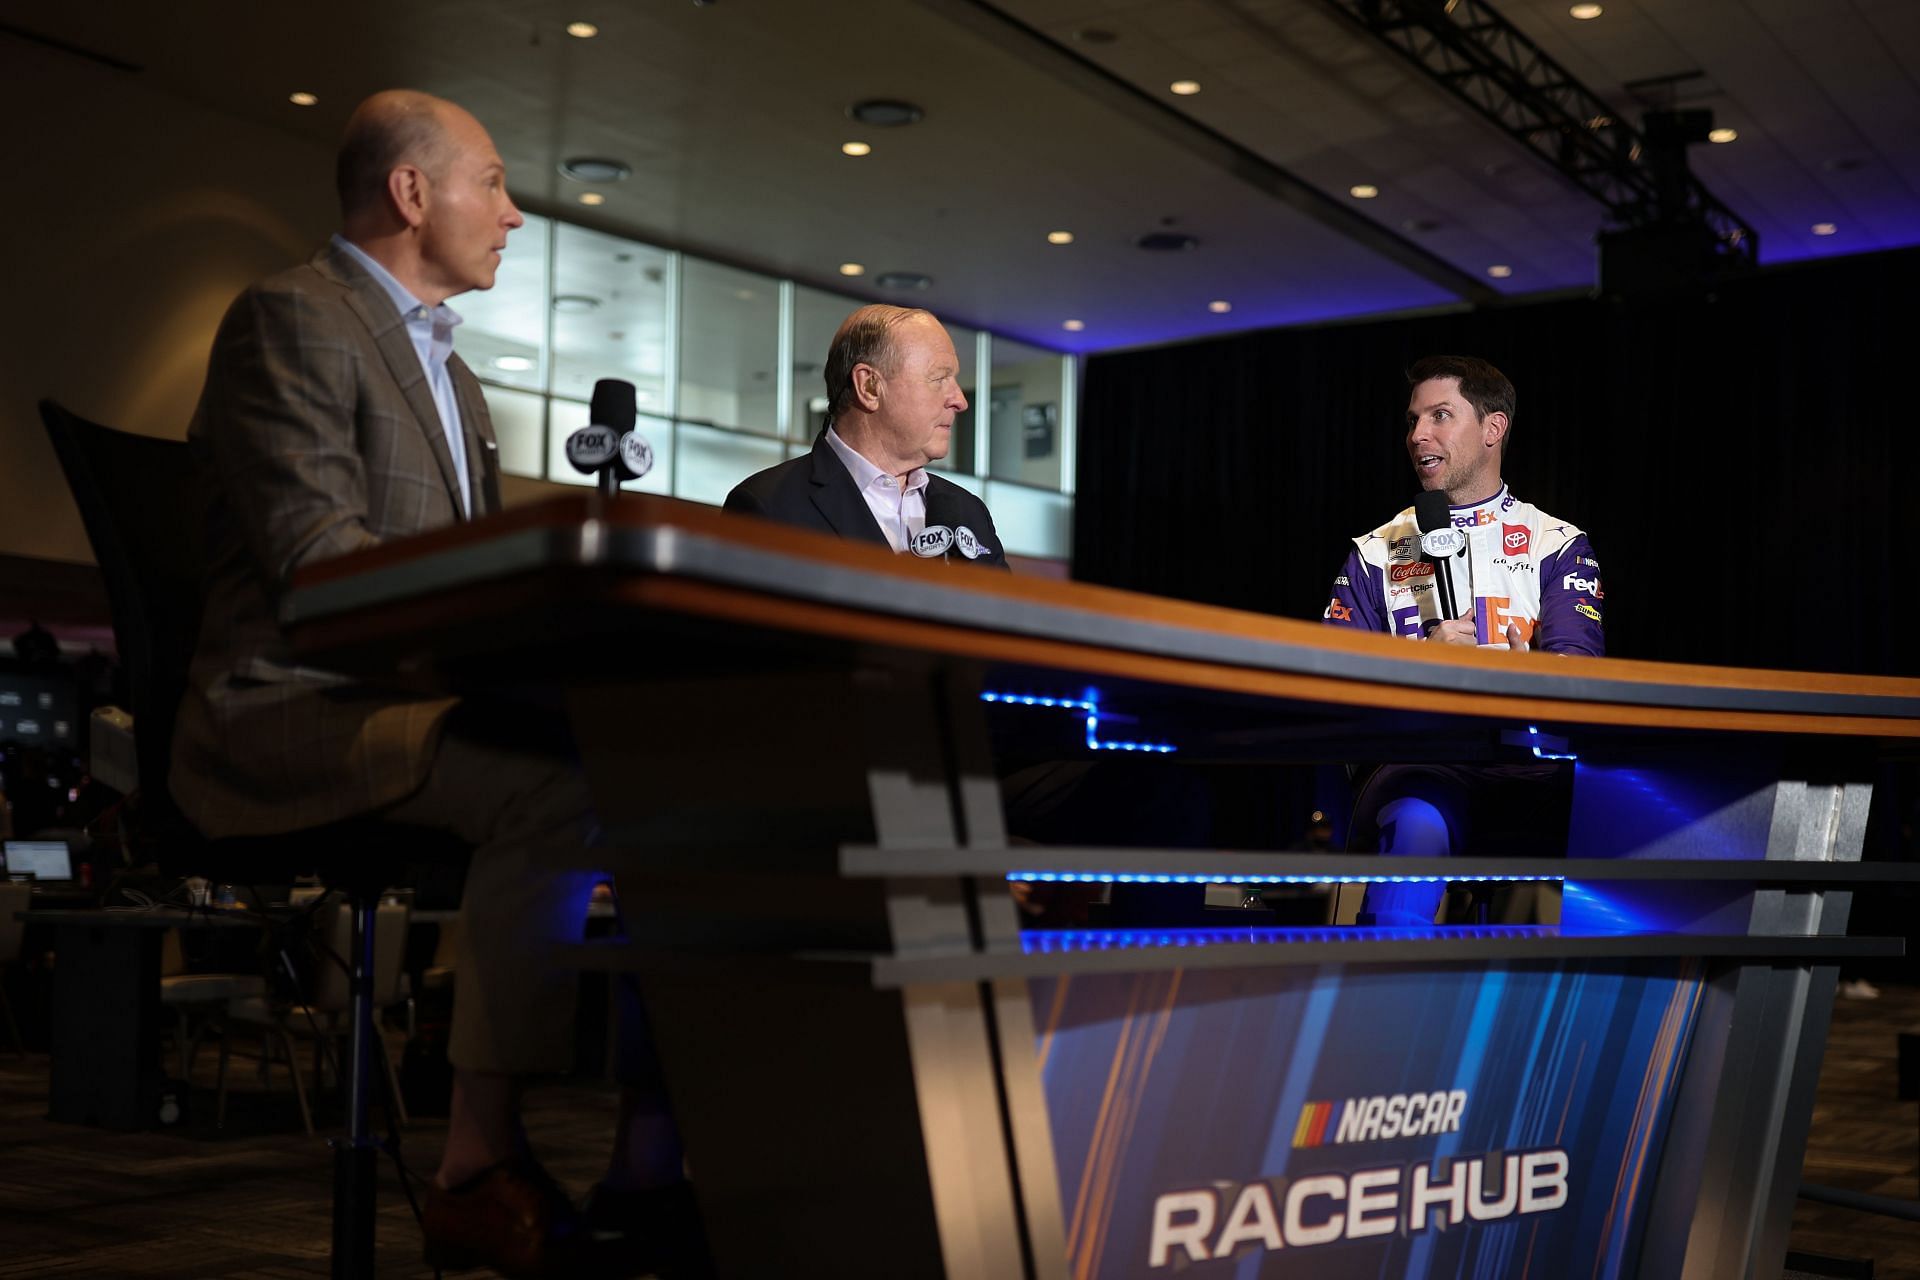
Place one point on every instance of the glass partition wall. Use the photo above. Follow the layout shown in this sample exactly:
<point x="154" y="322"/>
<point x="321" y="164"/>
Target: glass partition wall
<point x="726" y="365"/>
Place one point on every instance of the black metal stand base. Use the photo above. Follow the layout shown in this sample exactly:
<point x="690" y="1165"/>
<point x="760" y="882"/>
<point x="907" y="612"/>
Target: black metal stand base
<point x="355" y="1178"/>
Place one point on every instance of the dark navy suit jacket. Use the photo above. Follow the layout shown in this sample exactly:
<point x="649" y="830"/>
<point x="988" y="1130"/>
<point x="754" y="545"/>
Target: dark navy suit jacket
<point x="815" y="491"/>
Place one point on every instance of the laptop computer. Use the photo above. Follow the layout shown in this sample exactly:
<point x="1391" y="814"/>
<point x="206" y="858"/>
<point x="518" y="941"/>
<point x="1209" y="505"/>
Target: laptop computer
<point x="44" y="862"/>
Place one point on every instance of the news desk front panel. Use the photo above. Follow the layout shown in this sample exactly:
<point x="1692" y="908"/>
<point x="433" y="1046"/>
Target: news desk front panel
<point x="1365" y="1121"/>
<point x="874" y="1063"/>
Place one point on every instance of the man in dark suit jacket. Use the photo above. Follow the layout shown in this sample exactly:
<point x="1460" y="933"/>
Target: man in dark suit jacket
<point x="893" y="391"/>
<point x="335" y="417"/>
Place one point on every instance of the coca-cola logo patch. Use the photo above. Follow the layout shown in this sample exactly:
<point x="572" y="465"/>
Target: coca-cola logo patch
<point x="1418" y="569"/>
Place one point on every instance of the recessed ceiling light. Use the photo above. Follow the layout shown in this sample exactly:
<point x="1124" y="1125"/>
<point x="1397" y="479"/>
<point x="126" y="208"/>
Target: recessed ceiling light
<point x="302" y="99"/>
<point x="1363" y="191"/>
<point x="1585" y="12"/>
<point x="852" y="269"/>
<point x="1059" y="237"/>
<point x="594" y="169"/>
<point x="886" y="113"/>
<point x="512" y="364"/>
<point x="1185" y="88"/>
<point x="1722" y="135"/>
<point x="1073" y="326"/>
<point x="582" y="30"/>
<point x="854" y="148"/>
<point x="592" y="197"/>
<point x="1499" y="271"/>
<point x="903" y="280"/>
<point x="1824" y="228"/>
<point x="1220" y="307"/>
<point x="574" y="304"/>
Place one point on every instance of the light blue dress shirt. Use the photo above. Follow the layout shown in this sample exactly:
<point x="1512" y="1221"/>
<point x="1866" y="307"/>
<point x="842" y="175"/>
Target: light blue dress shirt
<point x="431" y="329"/>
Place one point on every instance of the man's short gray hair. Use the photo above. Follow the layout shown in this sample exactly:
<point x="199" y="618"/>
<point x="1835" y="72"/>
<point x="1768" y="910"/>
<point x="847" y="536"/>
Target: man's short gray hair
<point x="865" y="337"/>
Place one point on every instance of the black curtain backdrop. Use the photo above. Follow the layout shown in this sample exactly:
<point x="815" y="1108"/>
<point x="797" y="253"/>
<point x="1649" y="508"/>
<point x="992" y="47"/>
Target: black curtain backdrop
<point x="1742" y="461"/>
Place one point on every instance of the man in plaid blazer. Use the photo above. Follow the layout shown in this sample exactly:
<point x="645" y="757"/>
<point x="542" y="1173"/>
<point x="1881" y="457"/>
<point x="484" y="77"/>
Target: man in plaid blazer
<point x="335" y="417"/>
<point x="319" y="435"/>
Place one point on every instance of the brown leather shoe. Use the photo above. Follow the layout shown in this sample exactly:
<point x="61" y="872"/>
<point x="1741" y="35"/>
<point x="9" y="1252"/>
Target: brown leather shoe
<point x="512" y="1217"/>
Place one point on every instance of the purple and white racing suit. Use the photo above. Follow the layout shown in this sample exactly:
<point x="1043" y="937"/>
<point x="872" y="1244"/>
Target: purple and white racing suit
<point x="1526" y="568"/>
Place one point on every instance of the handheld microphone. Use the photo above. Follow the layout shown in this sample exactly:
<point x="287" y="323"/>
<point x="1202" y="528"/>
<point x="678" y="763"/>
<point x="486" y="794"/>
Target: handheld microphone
<point x="1445" y="548"/>
<point x="609" y="446"/>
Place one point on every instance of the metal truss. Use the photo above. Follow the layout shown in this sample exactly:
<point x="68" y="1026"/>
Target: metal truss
<point x="1480" y="58"/>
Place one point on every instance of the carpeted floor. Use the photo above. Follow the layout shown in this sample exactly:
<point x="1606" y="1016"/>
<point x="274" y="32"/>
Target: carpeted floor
<point x="252" y="1201"/>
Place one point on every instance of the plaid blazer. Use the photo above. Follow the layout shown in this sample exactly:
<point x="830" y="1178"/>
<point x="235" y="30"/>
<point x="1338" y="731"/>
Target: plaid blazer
<point x="316" y="435"/>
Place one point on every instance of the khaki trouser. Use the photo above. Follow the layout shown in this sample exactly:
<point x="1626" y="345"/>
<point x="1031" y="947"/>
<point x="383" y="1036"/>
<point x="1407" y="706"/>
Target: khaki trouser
<point x="508" y="785"/>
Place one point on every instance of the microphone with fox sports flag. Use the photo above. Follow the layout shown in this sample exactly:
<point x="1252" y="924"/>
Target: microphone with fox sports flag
<point x="1445" y="548"/>
<point x="609" y="445"/>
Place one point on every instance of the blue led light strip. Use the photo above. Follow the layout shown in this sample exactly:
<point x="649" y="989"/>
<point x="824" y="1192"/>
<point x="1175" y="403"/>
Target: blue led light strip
<point x="1052" y="941"/>
<point x="1090" y="705"/>
<point x="1029" y="700"/>
<point x="1241" y="877"/>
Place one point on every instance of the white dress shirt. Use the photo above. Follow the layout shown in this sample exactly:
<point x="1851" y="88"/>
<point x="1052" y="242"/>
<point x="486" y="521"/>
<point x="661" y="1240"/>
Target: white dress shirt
<point x="900" y="512"/>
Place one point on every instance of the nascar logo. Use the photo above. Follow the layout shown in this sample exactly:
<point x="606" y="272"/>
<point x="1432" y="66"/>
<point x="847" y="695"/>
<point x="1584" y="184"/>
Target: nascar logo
<point x="1376" y="1119"/>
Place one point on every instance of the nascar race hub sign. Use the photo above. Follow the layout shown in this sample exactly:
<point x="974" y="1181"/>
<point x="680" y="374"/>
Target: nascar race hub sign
<point x="1361" y="1121"/>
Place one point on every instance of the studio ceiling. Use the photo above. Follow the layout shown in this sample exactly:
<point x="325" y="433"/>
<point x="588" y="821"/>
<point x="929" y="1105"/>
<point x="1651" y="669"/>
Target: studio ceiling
<point x="1055" y="115"/>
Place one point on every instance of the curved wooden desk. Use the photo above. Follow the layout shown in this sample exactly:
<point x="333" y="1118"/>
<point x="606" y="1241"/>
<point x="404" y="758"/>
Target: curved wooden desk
<point x="424" y="601"/>
<point x="876" y="1067"/>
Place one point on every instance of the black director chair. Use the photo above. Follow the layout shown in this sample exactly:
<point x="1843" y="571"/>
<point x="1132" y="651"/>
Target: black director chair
<point x="138" y="500"/>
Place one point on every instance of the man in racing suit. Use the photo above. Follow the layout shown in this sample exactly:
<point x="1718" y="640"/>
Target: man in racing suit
<point x="1534" y="583"/>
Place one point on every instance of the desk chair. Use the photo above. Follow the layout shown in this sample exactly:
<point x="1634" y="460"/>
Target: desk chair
<point x="199" y="1001"/>
<point x="325" y="1016"/>
<point x="138" y="501"/>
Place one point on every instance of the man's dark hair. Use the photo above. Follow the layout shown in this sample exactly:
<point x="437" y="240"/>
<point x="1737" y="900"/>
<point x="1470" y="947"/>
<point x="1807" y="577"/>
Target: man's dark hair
<point x="865" y="337"/>
<point x="390" y="129"/>
<point x="1483" y="386"/>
